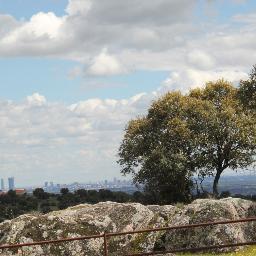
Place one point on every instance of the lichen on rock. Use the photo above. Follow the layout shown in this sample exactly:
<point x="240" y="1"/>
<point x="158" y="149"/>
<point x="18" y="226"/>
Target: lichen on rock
<point x="86" y="219"/>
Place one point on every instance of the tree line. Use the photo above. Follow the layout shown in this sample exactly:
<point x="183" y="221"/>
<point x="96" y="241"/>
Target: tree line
<point x="12" y="205"/>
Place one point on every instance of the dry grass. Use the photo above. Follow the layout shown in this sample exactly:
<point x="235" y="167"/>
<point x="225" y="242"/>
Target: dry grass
<point x="250" y="251"/>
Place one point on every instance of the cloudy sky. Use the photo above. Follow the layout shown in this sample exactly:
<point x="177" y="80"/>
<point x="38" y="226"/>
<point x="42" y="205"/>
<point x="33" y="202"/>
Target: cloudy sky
<point x="73" y="72"/>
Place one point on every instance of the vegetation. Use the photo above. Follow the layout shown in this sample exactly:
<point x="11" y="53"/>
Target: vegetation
<point x="202" y="133"/>
<point x="12" y="205"/>
<point x="247" y="91"/>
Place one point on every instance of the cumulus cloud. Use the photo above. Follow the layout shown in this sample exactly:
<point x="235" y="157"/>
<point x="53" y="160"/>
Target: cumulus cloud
<point x="40" y="25"/>
<point x="78" y="7"/>
<point x="105" y="64"/>
<point x="36" y="100"/>
<point x="9" y="24"/>
<point x="89" y="26"/>
<point x="200" y="59"/>
<point x="39" y="137"/>
<point x="192" y="78"/>
<point x="145" y="34"/>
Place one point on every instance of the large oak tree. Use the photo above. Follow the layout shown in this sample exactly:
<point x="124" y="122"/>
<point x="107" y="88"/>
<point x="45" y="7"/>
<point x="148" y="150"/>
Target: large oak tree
<point x="203" y="132"/>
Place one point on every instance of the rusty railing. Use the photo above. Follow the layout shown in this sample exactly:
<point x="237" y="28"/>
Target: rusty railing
<point x="106" y="236"/>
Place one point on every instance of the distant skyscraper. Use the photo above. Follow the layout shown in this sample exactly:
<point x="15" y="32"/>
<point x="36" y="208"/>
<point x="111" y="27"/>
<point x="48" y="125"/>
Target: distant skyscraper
<point x="11" y="183"/>
<point x="46" y="184"/>
<point x="2" y="184"/>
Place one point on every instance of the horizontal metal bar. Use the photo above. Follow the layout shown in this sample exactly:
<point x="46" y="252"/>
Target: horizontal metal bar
<point x="205" y="248"/>
<point x="51" y="241"/>
<point x="182" y="227"/>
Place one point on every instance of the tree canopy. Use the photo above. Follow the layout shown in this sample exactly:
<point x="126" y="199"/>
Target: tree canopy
<point x="202" y="132"/>
<point x="247" y="91"/>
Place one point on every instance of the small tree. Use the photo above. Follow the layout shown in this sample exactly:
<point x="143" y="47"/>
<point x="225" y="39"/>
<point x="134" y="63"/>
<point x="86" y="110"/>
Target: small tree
<point x="205" y="131"/>
<point x="40" y="194"/>
<point x="64" y="191"/>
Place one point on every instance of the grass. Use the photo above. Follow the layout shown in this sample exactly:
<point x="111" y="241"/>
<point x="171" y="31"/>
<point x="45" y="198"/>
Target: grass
<point x="250" y="251"/>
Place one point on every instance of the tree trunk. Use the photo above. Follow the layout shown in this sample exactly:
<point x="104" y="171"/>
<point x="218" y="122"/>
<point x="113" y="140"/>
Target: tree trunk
<point x="215" y="183"/>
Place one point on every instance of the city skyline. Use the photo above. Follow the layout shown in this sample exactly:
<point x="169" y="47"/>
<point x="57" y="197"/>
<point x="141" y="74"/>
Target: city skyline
<point x="9" y="182"/>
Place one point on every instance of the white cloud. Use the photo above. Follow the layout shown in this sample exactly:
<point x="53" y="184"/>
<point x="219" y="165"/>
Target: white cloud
<point x="43" y="24"/>
<point x="76" y="7"/>
<point x="46" y="140"/>
<point x="40" y="25"/>
<point x="192" y="78"/>
<point x="89" y="26"/>
<point x="200" y="59"/>
<point x="105" y="64"/>
<point x="145" y="34"/>
<point x="36" y="100"/>
<point x="9" y="24"/>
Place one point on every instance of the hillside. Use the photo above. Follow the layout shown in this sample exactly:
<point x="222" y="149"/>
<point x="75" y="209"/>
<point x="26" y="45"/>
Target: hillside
<point x="114" y="217"/>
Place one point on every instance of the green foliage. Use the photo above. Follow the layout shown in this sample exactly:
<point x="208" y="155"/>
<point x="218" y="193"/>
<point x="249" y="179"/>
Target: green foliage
<point x="205" y="131"/>
<point x="40" y="194"/>
<point x="247" y="91"/>
<point x="64" y="191"/>
<point x="12" y="205"/>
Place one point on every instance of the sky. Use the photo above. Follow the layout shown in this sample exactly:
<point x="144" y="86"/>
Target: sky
<point x="73" y="73"/>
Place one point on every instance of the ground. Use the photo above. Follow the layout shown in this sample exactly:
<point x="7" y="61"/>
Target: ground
<point x="250" y="251"/>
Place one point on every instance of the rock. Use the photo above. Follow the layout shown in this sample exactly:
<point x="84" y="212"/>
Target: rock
<point x="82" y="220"/>
<point x="89" y="219"/>
<point x="208" y="210"/>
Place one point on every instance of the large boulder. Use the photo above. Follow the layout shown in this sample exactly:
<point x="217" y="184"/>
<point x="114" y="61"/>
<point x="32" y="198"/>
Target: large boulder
<point x="210" y="210"/>
<point x="88" y="219"/>
<point x="82" y="220"/>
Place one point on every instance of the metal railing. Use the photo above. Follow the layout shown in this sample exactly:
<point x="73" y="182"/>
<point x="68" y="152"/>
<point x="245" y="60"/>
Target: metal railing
<point x="106" y="237"/>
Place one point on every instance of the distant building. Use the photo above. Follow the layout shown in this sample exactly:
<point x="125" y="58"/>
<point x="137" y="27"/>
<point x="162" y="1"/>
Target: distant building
<point x="11" y="183"/>
<point x="46" y="184"/>
<point x="2" y="184"/>
<point x="20" y="191"/>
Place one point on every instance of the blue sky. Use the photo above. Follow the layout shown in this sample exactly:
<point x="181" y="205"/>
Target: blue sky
<point x="73" y="73"/>
<point x="50" y="77"/>
<point x="24" y="9"/>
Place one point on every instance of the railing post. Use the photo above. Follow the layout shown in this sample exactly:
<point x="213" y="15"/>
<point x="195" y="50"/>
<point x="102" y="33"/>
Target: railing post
<point x="105" y="244"/>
